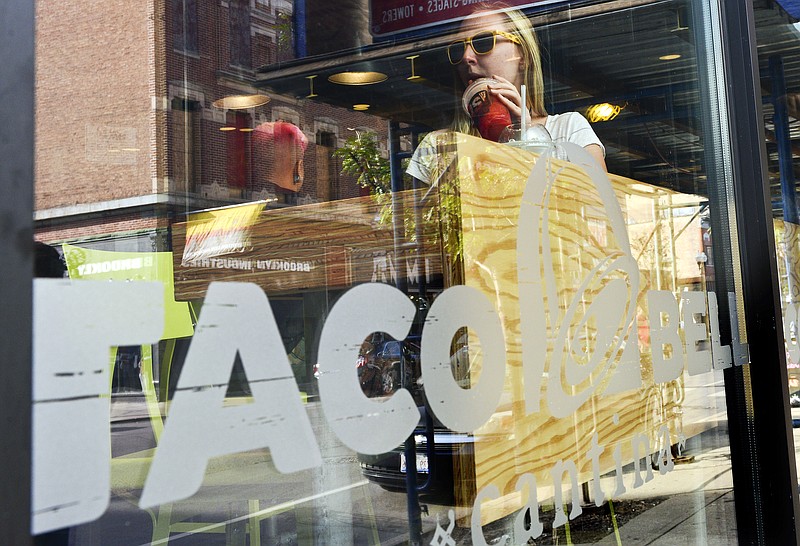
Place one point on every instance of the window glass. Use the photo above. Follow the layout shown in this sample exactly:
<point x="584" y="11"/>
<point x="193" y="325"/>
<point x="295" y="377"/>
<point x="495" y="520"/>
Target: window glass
<point x="433" y="272"/>
<point x="778" y="41"/>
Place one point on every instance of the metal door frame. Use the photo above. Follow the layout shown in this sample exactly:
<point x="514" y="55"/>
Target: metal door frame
<point x="757" y="395"/>
<point x="16" y="269"/>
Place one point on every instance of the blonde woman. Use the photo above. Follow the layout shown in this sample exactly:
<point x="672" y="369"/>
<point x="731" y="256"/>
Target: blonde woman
<point x="500" y="44"/>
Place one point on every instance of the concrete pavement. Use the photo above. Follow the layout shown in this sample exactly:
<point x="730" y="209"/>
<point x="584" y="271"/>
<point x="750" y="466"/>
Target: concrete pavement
<point x="699" y="504"/>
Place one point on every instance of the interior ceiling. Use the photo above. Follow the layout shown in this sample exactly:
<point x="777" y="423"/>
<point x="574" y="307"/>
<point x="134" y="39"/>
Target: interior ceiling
<point x="608" y="55"/>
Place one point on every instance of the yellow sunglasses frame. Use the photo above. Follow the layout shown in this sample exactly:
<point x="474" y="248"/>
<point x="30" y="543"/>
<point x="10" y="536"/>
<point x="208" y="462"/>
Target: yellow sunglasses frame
<point x="468" y="42"/>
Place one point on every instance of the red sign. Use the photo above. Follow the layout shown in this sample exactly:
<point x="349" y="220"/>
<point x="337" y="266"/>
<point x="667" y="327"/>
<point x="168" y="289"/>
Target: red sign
<point x="393" y="16"/>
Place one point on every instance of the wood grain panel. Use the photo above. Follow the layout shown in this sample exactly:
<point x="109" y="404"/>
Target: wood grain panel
<point x="470" y="237"/>
<point x="490" y="180"/>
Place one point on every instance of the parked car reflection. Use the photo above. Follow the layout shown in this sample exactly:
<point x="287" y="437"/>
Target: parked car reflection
<point x="437" y="449"/>
<point x="385" y="365"/>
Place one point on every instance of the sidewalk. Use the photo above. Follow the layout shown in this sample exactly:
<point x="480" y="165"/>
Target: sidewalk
<point x="699" y="507"/>
<point x="705" y="517"/>
<point x="695" y="502"/>
<point x="129" y="407"/>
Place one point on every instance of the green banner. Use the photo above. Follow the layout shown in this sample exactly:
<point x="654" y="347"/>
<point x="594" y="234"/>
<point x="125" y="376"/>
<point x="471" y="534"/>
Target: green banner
<point x="84" y="263"/>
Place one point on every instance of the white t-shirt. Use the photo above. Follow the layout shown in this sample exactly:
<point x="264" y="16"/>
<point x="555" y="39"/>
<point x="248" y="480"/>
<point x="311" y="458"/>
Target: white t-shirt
<point x="437" y="149"/>
<point x="572" y="127"/>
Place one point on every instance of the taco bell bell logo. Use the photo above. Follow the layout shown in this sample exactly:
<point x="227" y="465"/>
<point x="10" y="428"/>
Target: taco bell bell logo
<point x="603" y="303"/>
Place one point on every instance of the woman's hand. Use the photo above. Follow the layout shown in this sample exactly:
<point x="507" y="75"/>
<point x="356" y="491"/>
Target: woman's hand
<point x="509" y="96"/>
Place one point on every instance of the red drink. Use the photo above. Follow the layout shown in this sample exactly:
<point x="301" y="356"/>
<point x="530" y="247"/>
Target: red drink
<point x="488" y="115"/>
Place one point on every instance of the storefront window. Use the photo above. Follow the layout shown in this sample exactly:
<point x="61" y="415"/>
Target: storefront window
<point x="434" y="272"/>
<point x="778" y="41"/>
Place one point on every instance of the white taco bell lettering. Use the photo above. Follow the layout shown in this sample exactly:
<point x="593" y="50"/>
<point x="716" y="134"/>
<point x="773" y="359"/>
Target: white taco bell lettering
<point x="237" y="318"/>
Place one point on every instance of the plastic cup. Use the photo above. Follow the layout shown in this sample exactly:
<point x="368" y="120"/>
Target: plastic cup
<point x="488" y="115"/>
<point x="535" y="139"/>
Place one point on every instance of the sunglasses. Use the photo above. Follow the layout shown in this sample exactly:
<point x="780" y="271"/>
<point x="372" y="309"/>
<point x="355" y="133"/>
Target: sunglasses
<point x="481" y="42"/>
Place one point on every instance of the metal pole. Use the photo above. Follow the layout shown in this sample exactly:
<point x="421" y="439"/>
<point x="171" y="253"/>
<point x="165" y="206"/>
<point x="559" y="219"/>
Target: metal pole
<point x="410" y="447"/>
<point x="299" y="15"/>
<point x="780" y="118"/>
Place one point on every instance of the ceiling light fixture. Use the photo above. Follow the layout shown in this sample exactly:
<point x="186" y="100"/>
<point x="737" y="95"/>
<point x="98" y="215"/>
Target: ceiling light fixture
<point x="240" y="102"/>
<point x="603" y="112"/>
<point x="311" y="93"/>
<point x="358" y="78"/>
<point x="678" y="25"/>
<point x="413" y="75"/>
<point x="361" y="107"/>
<point x="670" y="57"/>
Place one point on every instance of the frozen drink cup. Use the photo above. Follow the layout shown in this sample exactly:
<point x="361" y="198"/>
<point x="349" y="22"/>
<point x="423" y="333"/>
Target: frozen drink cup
<point x="488" y="115"/>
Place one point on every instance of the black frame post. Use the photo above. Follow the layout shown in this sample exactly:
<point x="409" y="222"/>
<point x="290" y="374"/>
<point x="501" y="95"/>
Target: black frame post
<point x="16" y="267"/>
<point x="762" y="445"/>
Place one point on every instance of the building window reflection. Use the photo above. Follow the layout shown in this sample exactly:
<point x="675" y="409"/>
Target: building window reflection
<point x="239" y="15"/>
<point x="185" y="142"/>
<point x="185" y="37"/>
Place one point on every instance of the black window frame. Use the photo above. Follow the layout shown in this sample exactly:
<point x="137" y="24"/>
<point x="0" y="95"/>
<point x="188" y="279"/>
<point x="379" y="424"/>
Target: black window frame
<point x="16" y="245"/>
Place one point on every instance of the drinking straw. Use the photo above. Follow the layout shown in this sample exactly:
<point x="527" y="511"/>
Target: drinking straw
<point x="523" y="124"/>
